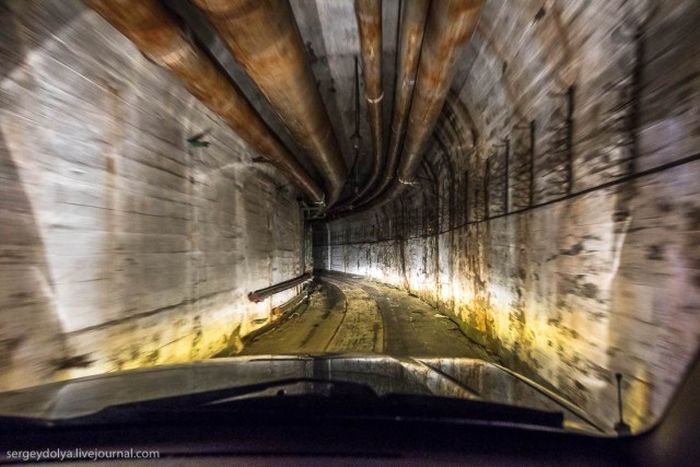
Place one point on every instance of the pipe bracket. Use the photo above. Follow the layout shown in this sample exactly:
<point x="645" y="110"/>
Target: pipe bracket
<point x="408" y="182"/>
<point x="374" y="100"/>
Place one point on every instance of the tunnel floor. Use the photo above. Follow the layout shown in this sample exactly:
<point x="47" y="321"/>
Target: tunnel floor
<point x="350" y="315"/>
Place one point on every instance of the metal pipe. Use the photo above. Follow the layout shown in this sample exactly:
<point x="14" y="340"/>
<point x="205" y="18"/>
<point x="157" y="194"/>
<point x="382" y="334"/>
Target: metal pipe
<point x="261" y="294"/>
<point x="412" y="28"/>
<point x="369" y="25"/>
<point x="450" y="25"/>
<point x="413" y="15"/>
<point x="264" y="38"/>
<point x="154" y="32"/>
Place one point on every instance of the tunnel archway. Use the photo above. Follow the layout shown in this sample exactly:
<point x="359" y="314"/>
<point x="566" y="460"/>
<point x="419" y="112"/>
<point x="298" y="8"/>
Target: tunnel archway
<point x="543" y="196"/>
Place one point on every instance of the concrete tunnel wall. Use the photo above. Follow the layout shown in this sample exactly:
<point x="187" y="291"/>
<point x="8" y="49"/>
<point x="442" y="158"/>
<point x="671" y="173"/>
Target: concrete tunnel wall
<point x="120" y="244"/>
<point x="557" y="218"/>
<point x="123" y="246"/>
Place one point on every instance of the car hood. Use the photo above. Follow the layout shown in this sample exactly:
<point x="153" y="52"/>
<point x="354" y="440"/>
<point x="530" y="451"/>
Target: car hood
<point x="462" y="378"/>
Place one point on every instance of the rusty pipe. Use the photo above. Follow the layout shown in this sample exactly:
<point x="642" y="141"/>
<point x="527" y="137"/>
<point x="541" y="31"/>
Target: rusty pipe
<point x="450" y="25"/>
<point x="413" y="15"/>
<point x="154" y="32"/>
<point x="263" y="37"/>
<point x="261" y="294"/>
<point x="412" y="28"/>
<point x="369" y="25"/>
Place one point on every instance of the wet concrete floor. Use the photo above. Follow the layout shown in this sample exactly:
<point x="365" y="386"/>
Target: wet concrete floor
<point x="350" y="315"/>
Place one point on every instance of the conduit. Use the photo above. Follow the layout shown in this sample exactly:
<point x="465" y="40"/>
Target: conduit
<point x="263" y="37"/>
<point x="413" y="17"/>
<point x="369" y="24"/>
<point x="154" y="32"/>
<point x="450" y="25"/>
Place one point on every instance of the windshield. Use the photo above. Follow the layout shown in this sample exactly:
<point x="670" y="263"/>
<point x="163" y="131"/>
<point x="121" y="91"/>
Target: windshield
<point x="463" y="201"/>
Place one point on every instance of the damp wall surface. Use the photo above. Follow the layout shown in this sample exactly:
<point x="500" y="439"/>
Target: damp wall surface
<point x="121" y="244"/>
<point x="557" y="214"/>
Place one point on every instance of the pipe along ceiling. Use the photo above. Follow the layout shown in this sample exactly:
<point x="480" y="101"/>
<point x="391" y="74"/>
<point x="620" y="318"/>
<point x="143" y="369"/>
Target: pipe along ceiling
<point x="264" y="39"/>
<point x="155" y="33"/>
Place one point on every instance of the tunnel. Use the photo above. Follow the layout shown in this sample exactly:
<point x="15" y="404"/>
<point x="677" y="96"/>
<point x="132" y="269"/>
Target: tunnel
<point x="511" y="181"/>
